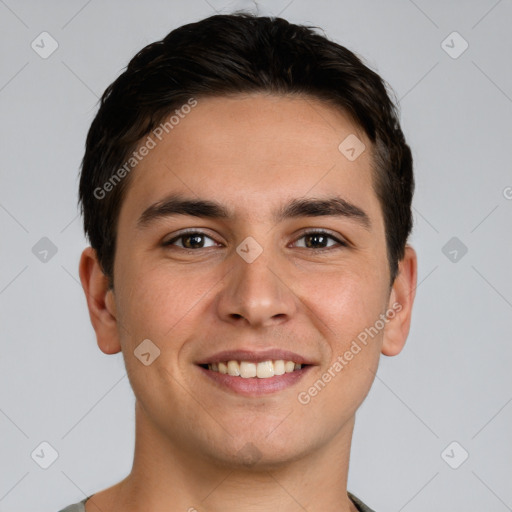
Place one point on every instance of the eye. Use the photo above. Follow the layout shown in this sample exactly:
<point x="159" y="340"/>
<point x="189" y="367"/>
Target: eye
<point x="190" y="240"/>
<point x="318" y="239"/>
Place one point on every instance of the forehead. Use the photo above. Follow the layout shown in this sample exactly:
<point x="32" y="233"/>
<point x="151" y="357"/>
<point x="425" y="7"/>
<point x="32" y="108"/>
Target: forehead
<point x="248" y="151"/>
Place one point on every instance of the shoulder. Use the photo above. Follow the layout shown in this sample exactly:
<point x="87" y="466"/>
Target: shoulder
<point x="362" y="507"/>
<point x="75" y="507"/>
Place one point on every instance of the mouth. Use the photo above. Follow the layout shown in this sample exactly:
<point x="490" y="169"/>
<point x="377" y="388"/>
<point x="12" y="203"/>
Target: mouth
<point x="258" y="370"/>
<point x="252" y="374"/>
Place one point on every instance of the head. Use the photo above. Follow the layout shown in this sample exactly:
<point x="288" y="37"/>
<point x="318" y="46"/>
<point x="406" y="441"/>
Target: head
<point x="226" y="55"/>
<point x="250" y="113"/>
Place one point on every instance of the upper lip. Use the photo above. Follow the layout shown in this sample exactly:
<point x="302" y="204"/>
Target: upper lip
<point x="255" y="357"/>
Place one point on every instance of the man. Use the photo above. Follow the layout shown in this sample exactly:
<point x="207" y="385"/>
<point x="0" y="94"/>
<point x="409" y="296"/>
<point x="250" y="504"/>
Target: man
<point x="246" y="189"/>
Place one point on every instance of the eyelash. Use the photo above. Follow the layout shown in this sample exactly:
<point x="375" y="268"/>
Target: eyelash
<point x="307" y="233"/>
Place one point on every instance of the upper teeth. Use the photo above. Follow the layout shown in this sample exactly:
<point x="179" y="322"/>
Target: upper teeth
<point x="262" y="370"/>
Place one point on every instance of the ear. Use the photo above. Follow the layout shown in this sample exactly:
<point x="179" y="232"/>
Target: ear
<point x="100" y="301"/>
<point x="401" y="300"/>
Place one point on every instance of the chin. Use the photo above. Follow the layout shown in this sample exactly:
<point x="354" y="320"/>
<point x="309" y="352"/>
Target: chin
<point x="246" y="452"/>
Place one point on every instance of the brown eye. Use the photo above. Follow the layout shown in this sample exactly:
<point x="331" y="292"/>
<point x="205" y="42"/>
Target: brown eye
<point x="319" y="240"/>
<point x="190" y="240"/>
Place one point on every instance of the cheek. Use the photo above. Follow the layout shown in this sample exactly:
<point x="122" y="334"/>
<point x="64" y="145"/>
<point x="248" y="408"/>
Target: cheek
<point x="160" y="306"/>
<point x="344" y="303"/>
<point x="346" y="310"/>
<point x="349" y="307"/>
<point x="159" y="302"/>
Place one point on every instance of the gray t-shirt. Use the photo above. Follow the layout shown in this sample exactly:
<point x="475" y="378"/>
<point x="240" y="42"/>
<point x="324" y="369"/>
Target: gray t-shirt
<point x="80" y="506"/>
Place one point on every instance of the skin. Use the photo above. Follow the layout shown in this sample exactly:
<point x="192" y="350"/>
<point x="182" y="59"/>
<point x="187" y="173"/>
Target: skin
<point x="251" y="153"/>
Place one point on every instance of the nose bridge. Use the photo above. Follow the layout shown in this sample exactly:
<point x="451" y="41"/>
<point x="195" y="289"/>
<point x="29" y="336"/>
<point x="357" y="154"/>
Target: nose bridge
<point x="256" y="288"/>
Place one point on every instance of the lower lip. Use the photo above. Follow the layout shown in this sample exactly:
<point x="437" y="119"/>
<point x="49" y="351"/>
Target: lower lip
<point x="255" y="386"/>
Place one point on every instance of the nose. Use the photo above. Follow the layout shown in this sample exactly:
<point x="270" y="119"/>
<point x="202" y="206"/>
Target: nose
<point x="257" y="293"/>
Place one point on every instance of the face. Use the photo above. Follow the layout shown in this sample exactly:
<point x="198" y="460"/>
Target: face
<point x="261" y="275"/>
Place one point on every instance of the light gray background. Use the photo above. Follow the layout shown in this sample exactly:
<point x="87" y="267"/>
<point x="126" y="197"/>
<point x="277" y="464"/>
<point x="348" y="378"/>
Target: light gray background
<point x="452" y="382"/>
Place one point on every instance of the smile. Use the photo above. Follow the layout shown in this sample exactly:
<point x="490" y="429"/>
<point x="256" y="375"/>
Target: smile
<point x="253" y="379"/>
<point x="249" y="369"/>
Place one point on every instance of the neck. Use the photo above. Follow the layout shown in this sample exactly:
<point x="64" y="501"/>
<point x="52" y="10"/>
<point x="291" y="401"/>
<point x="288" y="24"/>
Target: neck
<point x="165" y="474"/>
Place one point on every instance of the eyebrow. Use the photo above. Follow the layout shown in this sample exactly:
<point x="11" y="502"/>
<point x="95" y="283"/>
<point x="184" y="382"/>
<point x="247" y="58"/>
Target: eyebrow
<point x="176" y="204"/>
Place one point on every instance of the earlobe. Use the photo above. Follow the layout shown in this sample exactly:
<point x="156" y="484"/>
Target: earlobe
<point x="100" y="302"/>
<point x="400" y="304"/>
